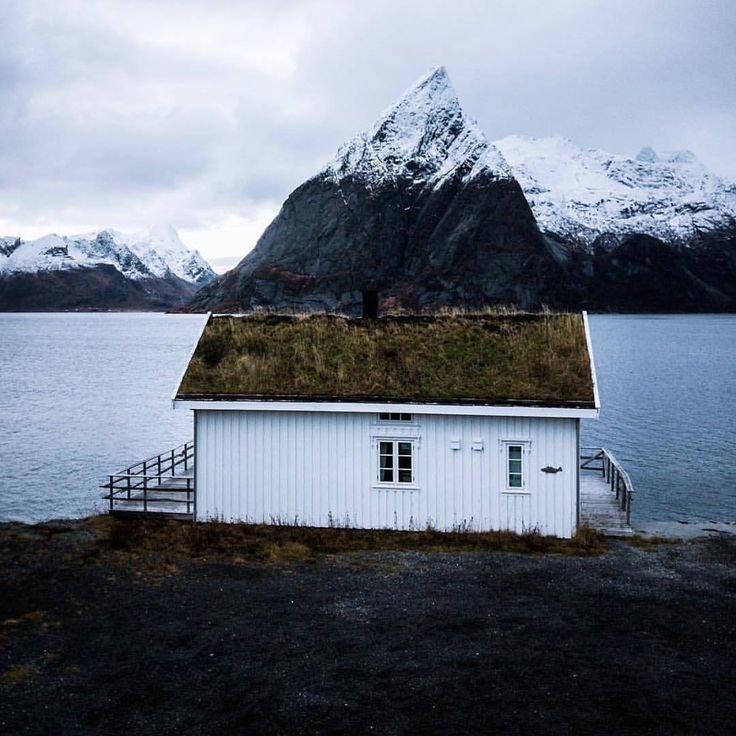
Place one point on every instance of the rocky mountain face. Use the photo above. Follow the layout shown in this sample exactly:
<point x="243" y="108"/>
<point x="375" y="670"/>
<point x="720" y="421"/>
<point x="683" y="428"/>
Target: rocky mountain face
<point x="103" y="270"/>
<point x="423" y="208"/>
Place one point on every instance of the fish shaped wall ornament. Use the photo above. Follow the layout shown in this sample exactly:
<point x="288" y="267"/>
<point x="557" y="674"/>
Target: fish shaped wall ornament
<point x="550" y="469"/>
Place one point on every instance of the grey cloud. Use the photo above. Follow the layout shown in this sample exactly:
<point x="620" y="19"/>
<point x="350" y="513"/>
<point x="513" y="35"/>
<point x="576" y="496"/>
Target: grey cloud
<point x="104" y="109"/>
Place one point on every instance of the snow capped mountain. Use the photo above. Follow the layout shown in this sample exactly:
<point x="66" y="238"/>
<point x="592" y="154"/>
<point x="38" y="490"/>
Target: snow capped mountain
<point x="588" y="194"/>
<point x="158" y="253"/>
<point x="421" y="206"/>
<point x="425" y="135"/>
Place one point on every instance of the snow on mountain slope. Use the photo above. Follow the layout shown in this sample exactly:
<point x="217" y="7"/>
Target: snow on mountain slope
<point x="158" y="253"/>
<point x="586" y="194"/>
<point x="162" y="250"/>
<point x="425" y="135"/>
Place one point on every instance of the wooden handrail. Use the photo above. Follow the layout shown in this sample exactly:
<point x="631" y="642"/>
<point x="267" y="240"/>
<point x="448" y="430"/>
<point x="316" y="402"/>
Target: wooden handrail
<point x="614" y="473"/>
<point x="154" y="474"/>
<point x="178" y="456"/>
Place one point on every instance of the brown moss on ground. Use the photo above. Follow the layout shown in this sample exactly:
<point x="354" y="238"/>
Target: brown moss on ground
<point x="453" y="357"/>
<point x="157" y="549"/>
<point x="169" y="539"/>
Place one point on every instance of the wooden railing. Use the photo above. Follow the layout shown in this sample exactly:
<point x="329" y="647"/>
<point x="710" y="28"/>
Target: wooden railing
<point x="603" y="460"/>
<point x="164" y="479"/>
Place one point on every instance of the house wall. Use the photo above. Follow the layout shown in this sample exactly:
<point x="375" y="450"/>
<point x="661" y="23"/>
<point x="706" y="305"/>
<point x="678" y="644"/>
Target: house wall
<point x="321" y="468"/>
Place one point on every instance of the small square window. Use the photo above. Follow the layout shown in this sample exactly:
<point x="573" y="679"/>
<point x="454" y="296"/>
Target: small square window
<point x="386" y="416"/>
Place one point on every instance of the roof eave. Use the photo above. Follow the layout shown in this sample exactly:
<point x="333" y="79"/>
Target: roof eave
<point x="593" y="374"/>
<point x="580" y="410"/>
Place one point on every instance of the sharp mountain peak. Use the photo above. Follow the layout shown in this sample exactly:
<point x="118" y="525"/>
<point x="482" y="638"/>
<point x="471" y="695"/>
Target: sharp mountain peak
<point x="425" y="135"/>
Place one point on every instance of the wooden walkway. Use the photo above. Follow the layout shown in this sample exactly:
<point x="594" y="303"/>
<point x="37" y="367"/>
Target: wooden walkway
<point x="599" y="506"/>
<point x="162" y="485"/>
<point x="606" y="492"/>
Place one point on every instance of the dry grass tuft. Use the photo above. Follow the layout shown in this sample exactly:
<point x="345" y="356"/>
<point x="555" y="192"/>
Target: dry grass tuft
<point x="447" y="357"/>
<point x="650" y="544"/>
<point x="36" y="619"/>
<point x="17" y="674"/>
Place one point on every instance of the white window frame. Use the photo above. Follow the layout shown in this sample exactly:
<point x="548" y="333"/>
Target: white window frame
<point x="395" y="430"/>
<point x="505" y="447"/>
<point x="395" y="482"/>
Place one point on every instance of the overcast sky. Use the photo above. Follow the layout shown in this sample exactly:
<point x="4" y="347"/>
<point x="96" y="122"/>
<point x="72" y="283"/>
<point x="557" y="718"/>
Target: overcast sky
<point x="206" y="115"/>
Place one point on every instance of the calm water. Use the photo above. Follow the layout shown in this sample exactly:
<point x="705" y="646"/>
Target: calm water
<point x="668" y="411"/>
<point x="86" y="394"/>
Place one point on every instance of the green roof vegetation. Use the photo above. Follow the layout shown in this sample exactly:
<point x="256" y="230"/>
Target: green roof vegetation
<point x="457" y="358"/>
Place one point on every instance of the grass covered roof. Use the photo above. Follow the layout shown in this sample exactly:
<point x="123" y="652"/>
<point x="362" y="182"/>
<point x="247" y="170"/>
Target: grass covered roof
<point x="469" y="358"/>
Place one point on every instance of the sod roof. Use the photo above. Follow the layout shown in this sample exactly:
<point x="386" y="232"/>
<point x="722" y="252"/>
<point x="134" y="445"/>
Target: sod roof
<point x="464" y="359"/>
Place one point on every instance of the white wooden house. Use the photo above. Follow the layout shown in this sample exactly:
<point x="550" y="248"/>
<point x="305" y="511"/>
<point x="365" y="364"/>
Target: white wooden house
<point x="456" y="422"/>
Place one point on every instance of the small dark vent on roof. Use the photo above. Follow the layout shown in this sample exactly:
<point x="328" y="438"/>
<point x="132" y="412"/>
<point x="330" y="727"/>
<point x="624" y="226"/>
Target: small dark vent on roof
<point x="370" y="304"/>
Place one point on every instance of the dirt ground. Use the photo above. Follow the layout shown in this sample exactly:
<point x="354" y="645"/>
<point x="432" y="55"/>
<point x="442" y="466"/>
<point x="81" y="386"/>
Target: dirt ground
<point x="95" y="639"/>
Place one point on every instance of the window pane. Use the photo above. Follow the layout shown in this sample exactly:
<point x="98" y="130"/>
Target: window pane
<point x="515" y="466"/>
<point x="514" y="480"/>
<point x="405" y="417"/>
<point x="386" y="462"/>
<point x="514" y="452"/>
<point x="404" y="448"/>
<point x="404" y="476"/>
<point x="405" y="461"/>
<point x="384" y="417"/>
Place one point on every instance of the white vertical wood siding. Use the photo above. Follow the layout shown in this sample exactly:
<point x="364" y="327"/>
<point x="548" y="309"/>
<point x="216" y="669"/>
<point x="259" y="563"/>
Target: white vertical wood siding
<point x="320" y="469"/>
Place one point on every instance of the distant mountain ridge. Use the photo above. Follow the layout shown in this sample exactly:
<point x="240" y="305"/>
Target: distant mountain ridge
<point x="594" y="198"/>
<point x="425" y="209"/>
<point x="100" y="270"/>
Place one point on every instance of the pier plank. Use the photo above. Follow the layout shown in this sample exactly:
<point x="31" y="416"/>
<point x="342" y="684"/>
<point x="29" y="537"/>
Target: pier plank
<point x="599" y="507"/>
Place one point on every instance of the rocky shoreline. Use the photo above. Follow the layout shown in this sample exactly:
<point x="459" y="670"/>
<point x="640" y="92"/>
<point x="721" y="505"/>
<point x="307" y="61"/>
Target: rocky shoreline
<point x="105" y="629"/>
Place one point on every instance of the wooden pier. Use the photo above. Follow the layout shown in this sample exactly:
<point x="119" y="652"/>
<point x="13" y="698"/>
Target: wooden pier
<point x="161" y="485"/>
<point x="606" y="492"/>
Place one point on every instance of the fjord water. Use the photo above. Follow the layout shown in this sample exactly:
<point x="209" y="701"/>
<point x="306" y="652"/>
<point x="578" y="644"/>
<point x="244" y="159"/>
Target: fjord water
<point x="84" y="395"/>
<point x="668" y="411"/>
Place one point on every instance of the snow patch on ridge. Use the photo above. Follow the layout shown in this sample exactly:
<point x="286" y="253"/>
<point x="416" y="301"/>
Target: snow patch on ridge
<point x="587" y="193"/>
<point x="156" y="253"/>
<point x="424" y="136"/>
